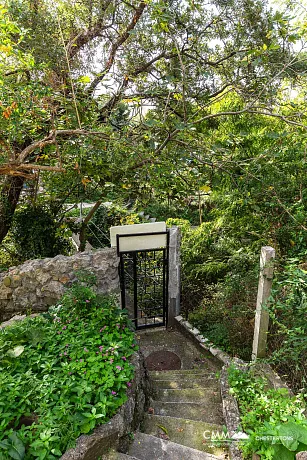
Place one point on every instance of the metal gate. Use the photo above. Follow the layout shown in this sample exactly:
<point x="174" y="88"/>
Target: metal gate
<point x="144" y="283"/>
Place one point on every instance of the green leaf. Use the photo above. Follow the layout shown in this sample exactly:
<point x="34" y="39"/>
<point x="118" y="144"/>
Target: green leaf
<point x="282" y="453"/>
<point x="289" y="435"/>
<point x="85" y="79"/>
<point x="15" y="352"/>
<point x="5" y="444"/>
<point x="163" y="428"/>
<point x="150" y="123"/>
<point x="85" y="428"/>
<point x="17" y="449"/>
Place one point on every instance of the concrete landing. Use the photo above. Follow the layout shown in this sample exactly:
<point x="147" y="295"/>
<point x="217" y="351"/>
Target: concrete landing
<point x="192" y="357"/>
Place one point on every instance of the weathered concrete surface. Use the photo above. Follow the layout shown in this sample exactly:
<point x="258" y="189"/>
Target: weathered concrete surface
<point x="182" y="382"/>
<point x="274" y="381"/>
<point x="147" y="447"/>
<point x="202" y="395"/>
<point x="191" y="355"/>
<point x="113" y="434"/>
<point x="174" y="275"/>
<point x="231" y="414"/>
<point x="264" y="291"/>
<point x="39" y="283"/>
<point x="189" y="433"/>
<point x="180" y="410"/>
<point x="14" y="319"/>
<point x="210" y="412"/>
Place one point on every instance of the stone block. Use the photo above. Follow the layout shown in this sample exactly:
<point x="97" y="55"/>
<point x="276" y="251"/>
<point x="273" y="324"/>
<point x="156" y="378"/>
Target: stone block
<point x="301" y="456"/>
<point x="64" y="279"/>
<point x="42" y="276"/>
<point x="16" y="281"/>
<point x="6" y="292"/>
<point x="7" y="281"/>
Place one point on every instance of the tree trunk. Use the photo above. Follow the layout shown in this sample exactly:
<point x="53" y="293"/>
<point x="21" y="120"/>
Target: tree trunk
<point x="9" y="197"/>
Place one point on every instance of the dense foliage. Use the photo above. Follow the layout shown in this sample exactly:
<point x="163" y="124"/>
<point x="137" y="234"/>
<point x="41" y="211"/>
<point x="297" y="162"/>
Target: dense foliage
<point x="62" y="373"/>
<point x="35" y="233"/>
<point x="77" y="79"/>
<point x="181" y="109"/>
<point x="288" y="329"/>
<point x="273" y="420"/>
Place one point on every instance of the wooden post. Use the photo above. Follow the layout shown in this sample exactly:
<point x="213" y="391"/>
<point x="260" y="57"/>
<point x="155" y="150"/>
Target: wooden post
<point x="264" y="291"/>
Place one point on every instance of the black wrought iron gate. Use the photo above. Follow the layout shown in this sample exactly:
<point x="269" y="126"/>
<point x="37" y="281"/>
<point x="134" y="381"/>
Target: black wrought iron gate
<point x="144" y="284"/>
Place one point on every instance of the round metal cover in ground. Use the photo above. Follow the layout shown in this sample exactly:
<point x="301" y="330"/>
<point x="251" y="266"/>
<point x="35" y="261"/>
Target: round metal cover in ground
<point x="163" y="361"/>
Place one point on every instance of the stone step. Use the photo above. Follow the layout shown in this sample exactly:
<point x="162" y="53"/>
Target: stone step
<point x="198" y="382"/>
<point x="113" y="455"/>
<point x="146" y="447"/>
<point x="209" y="412"/>
<point x="182" y="373"/>
<point x="189" y="433"/>
<point x="198" y="395"/>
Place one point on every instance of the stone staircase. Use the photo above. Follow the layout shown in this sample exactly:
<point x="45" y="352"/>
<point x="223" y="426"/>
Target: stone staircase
<point x="185" y="409"/>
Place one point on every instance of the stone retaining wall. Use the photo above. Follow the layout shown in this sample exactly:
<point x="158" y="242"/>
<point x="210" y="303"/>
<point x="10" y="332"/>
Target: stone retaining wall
<point x="37" y="284"/>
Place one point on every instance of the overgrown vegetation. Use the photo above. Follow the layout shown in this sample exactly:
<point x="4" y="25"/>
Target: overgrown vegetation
<point x="274" y="421"/>
<point x="182" y="109"/>
<point x="62" y="373"/>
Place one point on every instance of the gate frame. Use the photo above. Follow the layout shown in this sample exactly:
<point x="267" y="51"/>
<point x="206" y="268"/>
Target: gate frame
<point x="165" y="306"/>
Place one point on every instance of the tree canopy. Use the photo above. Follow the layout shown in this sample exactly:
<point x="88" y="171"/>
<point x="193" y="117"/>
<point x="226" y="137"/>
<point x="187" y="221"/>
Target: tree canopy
<point x="113" y="94"/>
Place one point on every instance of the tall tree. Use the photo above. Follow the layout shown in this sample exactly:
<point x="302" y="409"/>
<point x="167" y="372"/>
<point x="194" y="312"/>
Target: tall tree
<point x="67" y="67"/>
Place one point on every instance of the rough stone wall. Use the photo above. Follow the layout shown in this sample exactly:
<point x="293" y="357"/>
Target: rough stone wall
<point x="39" y="283"/>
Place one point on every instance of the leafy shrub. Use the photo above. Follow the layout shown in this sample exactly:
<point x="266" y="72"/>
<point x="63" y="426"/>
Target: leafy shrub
<point x="219" y="285"/>
<point x="62" y="373"/>
<point x="273" y="420"/>
<point x="226" y="314"/>
<point x="163" y="211"/>
<point x="35" y="233"/>
<point x="287" y="339"/>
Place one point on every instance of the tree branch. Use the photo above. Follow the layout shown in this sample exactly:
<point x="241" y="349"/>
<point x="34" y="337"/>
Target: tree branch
<point x="114" y="99"/>
<point x="10" y="169"/>
<point x="86" y="36"/>
<point x="51" y="139"/>
<point x="114" y="48"/>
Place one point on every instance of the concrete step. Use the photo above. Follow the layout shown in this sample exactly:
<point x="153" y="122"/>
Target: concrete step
<point x="183" y="374"/>
<point x="184" y="382"/>
<point x="198" y="395"/>
<point x="113" y="455"/>
<point x="209" y="412"/>
<point x="189" y="433"/>
<point x="146" y="447"/>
